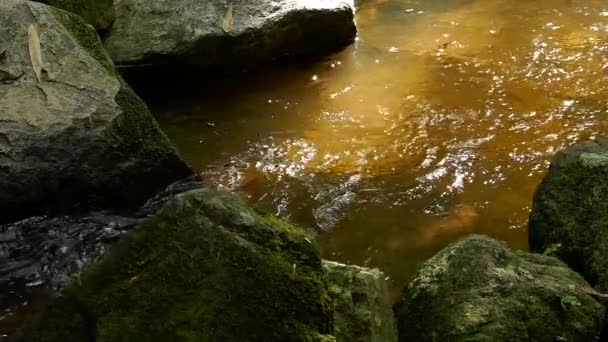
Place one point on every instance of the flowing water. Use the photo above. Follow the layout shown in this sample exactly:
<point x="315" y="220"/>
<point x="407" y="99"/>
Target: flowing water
<point x="439" y="121"/>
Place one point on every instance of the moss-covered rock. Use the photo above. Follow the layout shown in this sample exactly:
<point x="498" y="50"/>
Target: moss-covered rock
<point x="570" y="211"/>
<point x="205" y="268"/>
<point x="72" y="133"/>
<point x="362" y="309"/>
<point x="227" y="33"/>
<point x="99" y="13"/>
<point x="479" y="290"/>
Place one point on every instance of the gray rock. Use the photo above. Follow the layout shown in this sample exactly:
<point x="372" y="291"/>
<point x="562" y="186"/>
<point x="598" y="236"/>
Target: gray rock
<point x="78" y="136"/>
<point x="479" y="290"/>
<point x="99" y="13"/>
<point x="570" y="211"/>
<point x="227" y="33"/>
<point x="362" y="306"/>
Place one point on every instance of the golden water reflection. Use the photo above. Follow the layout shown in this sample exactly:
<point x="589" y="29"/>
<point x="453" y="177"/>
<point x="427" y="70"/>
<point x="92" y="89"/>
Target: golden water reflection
<point x="439" y="121"/>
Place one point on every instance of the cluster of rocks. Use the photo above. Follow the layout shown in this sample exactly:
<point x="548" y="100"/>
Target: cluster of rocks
<point x="81" y="159"/>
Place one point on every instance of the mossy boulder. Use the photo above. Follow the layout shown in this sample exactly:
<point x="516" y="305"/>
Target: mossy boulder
<point x="99" y="13"/>
<point x="221" y="33"/>
<point x="570" y="211"/>
<point x="73" y="134"/>
<point x="477" y="289"/>
<point x="362" y="306"/>
<point x="205" y="268"/>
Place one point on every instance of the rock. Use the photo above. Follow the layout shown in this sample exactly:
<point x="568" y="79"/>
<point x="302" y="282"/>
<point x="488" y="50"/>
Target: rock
<point x="227" y="33"/>
<point x="204" y="268"/>
<point x="570" y="211"/>
<point x="73" y="134"/>
<point x="59" y="248"/>
<point x="99" y="13"/>
<point x="478" y="290"/>
<point x="363" y="310"/>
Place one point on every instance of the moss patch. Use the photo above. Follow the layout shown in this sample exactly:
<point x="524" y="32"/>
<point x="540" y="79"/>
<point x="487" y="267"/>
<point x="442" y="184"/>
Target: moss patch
<point x="570" y="209"/>
<point x="205" y="268"/>
<point x="479" y="290"/>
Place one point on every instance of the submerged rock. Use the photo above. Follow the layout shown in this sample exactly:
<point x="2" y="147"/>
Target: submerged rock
<point x="99" y="13"/>
<point x="479" y="290"/>
<point x="363" y="311"/>
<point x="73" y="134"/>
<point x="205" y="268"/>
<point x="227" y="33"/>
<point x="570" y="211"/>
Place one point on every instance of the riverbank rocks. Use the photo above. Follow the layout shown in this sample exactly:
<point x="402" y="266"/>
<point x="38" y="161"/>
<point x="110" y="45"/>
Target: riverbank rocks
<point x="99" y="13"/>
<point x="205" y="268"/>
<point x="479" y="290"/>
<point x="362" y="306"/>
<point x="227" y="33"/>
<point x="208" y="268"/>
<point x="73" y="134"/>
<point x="570" y="211"/>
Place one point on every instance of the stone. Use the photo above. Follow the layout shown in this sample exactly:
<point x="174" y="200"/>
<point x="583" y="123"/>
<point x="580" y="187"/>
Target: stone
<point x="569" y="214"/>
<point x="78" y="137"/>
<point x="237" y="33"/>
<point x="205" y="268"/>
<point x="362" y="305"/>
<point x="99" y="13"/>
<point x="477" y="289"/>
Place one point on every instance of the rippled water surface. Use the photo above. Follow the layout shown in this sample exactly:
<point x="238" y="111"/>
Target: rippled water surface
<point x="438" y="121"/>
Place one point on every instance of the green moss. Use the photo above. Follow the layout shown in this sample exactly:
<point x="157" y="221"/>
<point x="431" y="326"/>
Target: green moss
<point x="99" y="13"/>
<point x="206" y="268"/>
<point x="137" y="147"/>
<point x="479" y="290"/>
<point x="570" y="209"/>
<point x="87" y="38"/>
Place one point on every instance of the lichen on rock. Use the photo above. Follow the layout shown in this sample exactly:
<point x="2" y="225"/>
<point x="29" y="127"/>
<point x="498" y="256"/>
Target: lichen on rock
<point x="477" y="289"/>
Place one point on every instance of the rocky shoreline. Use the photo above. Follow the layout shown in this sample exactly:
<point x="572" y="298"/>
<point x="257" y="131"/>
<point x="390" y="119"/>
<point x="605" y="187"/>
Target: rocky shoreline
<point x="99" y="207"/>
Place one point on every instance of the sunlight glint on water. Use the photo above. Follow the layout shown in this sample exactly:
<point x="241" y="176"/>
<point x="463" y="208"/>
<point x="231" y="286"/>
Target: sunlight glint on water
<point x="439" y="121"/>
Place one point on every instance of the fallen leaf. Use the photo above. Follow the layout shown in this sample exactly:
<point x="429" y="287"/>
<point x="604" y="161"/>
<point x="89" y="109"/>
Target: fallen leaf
<point x="228" y="20"/>
<point x="593" y="292"/>
<point x="35" y="50"/>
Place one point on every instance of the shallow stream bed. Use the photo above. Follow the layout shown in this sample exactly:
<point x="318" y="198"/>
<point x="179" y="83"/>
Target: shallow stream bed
<point x="438" y="122"/>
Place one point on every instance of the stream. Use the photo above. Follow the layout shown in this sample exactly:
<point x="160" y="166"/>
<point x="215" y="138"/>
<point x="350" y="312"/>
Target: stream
<point x="439" y="121"/>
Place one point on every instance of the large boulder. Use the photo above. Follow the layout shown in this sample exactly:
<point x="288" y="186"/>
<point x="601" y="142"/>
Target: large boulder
<point x="570" y="211"/>
<point x="99" y="13"/>
<point x="479" y="290"/>
<point x="227" y="33"/>
<point x="363" y="311"/>
<point x="73" y="134"/>
<point x="204" y="268"/>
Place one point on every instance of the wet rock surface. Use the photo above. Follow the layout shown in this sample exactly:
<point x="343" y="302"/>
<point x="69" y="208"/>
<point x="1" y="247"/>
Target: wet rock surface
<point x="479" y="290"/>
<point x="73" y="136"/>
<point x="227" y="33"/>
<point x="570" y="213"/>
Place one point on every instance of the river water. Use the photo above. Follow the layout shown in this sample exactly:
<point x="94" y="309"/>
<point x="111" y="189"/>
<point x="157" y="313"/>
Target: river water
<point x="439" y="121"/>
